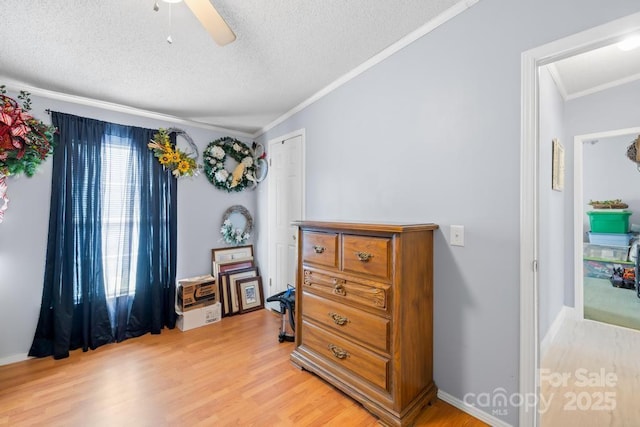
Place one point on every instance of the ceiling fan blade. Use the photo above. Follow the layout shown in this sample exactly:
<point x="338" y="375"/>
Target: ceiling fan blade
<point x="211" y="21"/>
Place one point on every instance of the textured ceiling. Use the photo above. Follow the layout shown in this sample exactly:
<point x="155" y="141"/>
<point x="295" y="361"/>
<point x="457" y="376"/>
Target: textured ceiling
<point x="116" y="51"/>
<point x="596" y="70"/>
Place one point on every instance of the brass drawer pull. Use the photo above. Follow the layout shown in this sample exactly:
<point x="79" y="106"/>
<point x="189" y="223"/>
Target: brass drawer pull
<point x="338" y="289"/>
<point x="338" y="320"/>
<point x="364" y="256"/>
<point x="338" y="352"/>
<point x="319" y="249"/>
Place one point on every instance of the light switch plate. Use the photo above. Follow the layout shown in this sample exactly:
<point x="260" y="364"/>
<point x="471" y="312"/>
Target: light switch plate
<point x="457" y="235"/>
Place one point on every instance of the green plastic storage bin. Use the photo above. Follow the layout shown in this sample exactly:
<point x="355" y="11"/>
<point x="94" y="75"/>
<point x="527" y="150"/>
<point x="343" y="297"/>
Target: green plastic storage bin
<point x="609" y="222"/>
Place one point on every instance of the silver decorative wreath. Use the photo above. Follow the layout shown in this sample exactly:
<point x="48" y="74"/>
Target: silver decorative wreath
<point x="236" y="236"/>
<point x="179" y="132"/>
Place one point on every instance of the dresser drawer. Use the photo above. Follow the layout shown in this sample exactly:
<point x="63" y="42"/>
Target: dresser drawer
<point x="346" y="354"/>
<point x="320" y="248"/>
<point x="369" y="294"/>
<point x="374" y="330"/>
<point x="367" y="255"/>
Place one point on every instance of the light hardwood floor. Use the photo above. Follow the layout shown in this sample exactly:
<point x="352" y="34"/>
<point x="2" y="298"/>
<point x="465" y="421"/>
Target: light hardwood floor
<point x="231" y="373"/>
<point x="591" y="375"/>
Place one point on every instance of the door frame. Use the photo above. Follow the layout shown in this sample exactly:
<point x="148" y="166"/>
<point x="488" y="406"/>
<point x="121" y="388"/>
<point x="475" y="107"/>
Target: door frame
<point x="578" y="207"/>
<point x="531" y="60"/>
<point x="271" y="259"/>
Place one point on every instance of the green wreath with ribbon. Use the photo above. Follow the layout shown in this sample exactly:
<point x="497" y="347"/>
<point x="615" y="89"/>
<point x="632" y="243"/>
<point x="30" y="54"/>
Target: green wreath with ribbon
<point x="215" y="155"/>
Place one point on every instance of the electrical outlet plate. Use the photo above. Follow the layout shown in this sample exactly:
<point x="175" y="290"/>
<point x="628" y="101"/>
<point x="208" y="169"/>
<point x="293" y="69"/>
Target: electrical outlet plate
<point x="457" y="235"/>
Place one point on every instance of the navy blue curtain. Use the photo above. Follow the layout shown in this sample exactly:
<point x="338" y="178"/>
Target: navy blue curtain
<point x="111" y="253"/>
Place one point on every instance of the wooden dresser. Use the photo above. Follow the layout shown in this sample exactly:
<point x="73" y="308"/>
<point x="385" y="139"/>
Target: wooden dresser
<point x="364" y="313"/>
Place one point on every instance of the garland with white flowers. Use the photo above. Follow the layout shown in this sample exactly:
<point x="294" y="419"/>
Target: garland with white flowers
<point x="214" y="157"/>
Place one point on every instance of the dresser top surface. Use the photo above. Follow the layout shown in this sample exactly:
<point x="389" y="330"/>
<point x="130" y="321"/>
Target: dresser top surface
<point x="391" y="227"/>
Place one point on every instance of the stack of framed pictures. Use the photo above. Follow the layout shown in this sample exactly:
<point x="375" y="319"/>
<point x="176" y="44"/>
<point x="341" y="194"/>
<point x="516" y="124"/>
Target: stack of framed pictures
<point x="238" y="279"/>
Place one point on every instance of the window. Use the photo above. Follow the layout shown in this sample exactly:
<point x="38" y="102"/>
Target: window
<point x="120" y="219"/>
<point x="111" y="252"/>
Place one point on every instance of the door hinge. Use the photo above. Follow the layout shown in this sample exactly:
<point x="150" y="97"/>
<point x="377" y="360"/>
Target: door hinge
<point x="269" y="161"/>
<point x="534" y="265"/>
<point x="269" y="281"/>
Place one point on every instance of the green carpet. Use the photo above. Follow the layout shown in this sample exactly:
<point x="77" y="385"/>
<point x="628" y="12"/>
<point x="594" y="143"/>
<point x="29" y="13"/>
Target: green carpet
<point x="616" y="306"/>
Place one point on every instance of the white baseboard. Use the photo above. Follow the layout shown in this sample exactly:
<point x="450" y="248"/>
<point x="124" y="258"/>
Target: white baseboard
<point x="472" y="410"/>
<point x="14" y="358"/>
<point x="564" y="314"/>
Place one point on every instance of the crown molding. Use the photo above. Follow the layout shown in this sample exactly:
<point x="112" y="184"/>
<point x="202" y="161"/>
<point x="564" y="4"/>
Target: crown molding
<point x="119" y="108"/>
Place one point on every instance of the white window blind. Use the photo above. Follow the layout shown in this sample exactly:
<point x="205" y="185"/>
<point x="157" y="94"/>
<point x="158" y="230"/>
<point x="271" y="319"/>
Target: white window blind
<point x="120" y="219"/>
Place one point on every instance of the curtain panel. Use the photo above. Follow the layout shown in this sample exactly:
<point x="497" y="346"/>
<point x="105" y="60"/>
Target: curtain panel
<point x="81" y="306"/>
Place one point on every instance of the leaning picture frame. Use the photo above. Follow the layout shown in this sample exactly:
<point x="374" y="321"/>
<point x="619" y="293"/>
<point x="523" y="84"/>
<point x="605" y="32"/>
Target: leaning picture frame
<point x="250" y="295"/>
<point x="223" y="255"/>
<point x="222" y="280"/>
<point x="236" y="265"/>
<point x="220" y="256"/>
<point x="228" y="280"/>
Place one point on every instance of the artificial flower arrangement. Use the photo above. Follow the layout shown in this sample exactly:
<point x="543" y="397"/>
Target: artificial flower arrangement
<point x="233" y="236"/>
<point x="24" y="141"/>
<point x="214" y="158"/>
<point x="177" y="161"/>
<point x="236" y="236"/>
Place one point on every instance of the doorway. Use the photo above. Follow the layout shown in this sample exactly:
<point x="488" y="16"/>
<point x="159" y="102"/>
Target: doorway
<point x="530" y="191"/>
<point x="595" y="297"/>
<point x="285" y="204"/>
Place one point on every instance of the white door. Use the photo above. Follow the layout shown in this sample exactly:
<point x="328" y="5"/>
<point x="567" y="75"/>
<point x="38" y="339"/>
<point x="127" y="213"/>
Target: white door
<point x="285" y="205"/>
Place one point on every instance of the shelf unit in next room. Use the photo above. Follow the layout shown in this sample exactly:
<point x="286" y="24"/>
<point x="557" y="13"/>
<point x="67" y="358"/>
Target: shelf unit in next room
<point x="609" y="245"/>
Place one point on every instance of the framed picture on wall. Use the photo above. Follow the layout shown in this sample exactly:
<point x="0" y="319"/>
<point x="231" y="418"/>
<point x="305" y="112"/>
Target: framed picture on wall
<point x="557" y="171"/>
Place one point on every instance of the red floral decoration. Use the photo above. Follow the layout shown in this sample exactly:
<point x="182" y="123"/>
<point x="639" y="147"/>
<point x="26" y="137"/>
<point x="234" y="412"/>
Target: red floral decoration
<point x="24" y="141"/>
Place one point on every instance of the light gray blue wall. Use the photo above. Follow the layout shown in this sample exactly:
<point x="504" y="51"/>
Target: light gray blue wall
<point x="552" y="226"/>
<point x="23" y="234"/>
<point x="433" y="134"/>
<point x="609" y="110"/>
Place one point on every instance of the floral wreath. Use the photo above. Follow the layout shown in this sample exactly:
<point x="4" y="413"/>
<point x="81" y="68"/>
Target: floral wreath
<point x="214" y="157"/>
<point x="24" y="141"/>
<point x="177" y="161"/>
<point x="236" y="236"/>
